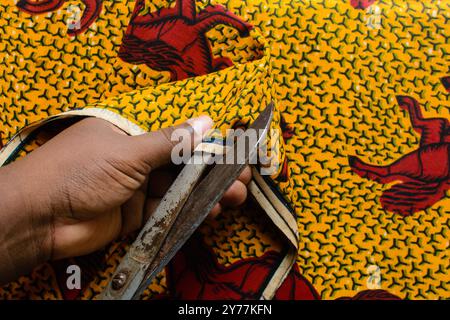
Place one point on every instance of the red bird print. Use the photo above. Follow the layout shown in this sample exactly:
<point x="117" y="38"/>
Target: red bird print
<point x="424" y="173"/>
<point x="195" y="273"/>
<point x="90" y="14"/>
<point x="174" y="40"/>
<point x="286" y="129"/>
<point x="377" y="294"/>
<point x="362" y="4"/>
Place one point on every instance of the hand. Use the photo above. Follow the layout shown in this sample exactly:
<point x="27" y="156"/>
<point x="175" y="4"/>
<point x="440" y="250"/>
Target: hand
<point x="85" y="187"/>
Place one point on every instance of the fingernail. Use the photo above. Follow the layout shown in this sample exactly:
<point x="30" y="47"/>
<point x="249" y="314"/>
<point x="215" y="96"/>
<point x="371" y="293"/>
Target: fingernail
<point x="201" y="124"/>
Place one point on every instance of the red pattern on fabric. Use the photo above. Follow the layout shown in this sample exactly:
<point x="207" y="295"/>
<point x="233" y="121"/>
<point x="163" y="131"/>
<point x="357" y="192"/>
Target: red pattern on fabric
<point x="92" y="9"/>
<point x="362" y="4"/>
<point x="372" y="295"/>
<point x="195" y="273"/>
<point x="424" y="173"/>
<point x="446" y="82"/>
<point x="174" y="40"/>
<point x="37" y="7"/>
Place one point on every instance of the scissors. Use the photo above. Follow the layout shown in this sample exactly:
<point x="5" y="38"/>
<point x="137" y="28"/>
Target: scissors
<point x="183" y="208"/>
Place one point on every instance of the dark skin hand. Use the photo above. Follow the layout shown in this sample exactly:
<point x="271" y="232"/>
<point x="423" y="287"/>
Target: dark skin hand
<point x="85" y="187"/>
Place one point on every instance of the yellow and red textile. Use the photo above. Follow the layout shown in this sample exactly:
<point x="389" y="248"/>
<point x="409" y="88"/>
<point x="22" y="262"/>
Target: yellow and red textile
<point x="361" y="89"/>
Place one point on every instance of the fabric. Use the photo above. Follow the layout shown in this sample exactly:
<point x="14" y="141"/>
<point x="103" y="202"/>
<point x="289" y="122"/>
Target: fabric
<point x="361" y="92"/>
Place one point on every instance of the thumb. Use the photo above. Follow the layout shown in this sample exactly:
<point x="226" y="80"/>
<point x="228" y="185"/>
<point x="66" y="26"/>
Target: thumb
<point x="155" y="147"/>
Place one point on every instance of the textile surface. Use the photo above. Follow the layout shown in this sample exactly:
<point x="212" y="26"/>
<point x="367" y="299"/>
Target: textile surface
<point x="361" y="90"/>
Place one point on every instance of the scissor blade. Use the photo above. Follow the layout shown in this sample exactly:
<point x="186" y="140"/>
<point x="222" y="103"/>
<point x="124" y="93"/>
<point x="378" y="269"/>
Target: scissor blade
<point x="173" y="222"/>
<point x="133" y="268"/>
<point x="206" y="195"/>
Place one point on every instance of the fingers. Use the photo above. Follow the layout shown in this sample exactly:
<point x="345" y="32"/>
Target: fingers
<point x="235" y="195"/>
<point x="246" y="175"/>
<point x="150" y="207"/>
<point x="133" y="210"/>
<point x="232" y="198"/>
<point x="215" y="211"/>
<point x="160" y="181"/>
<point x="83" y="237"/>
<point x="155" y="148"/>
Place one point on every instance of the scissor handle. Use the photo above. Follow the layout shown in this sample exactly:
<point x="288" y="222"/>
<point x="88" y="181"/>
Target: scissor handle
<point x="132" y="270"/>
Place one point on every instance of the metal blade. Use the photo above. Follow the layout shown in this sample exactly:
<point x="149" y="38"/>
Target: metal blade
<point x="133" y="267"/>
<point x="172" y="224"/>
<point x="204" y="197"/>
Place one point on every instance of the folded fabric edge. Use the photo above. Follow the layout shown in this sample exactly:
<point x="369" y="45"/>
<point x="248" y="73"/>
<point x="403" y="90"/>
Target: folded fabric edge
<point x="277" y="212"/>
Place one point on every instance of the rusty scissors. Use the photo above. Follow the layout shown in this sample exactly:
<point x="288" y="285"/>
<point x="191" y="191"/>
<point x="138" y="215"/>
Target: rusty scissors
<point x="181" y="211"/>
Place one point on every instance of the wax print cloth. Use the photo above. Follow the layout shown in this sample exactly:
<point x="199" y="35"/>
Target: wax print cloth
<point x="358" y="207"/>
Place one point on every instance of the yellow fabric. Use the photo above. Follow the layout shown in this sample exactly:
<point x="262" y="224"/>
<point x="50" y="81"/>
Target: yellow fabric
<point x="333" y="71"/>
